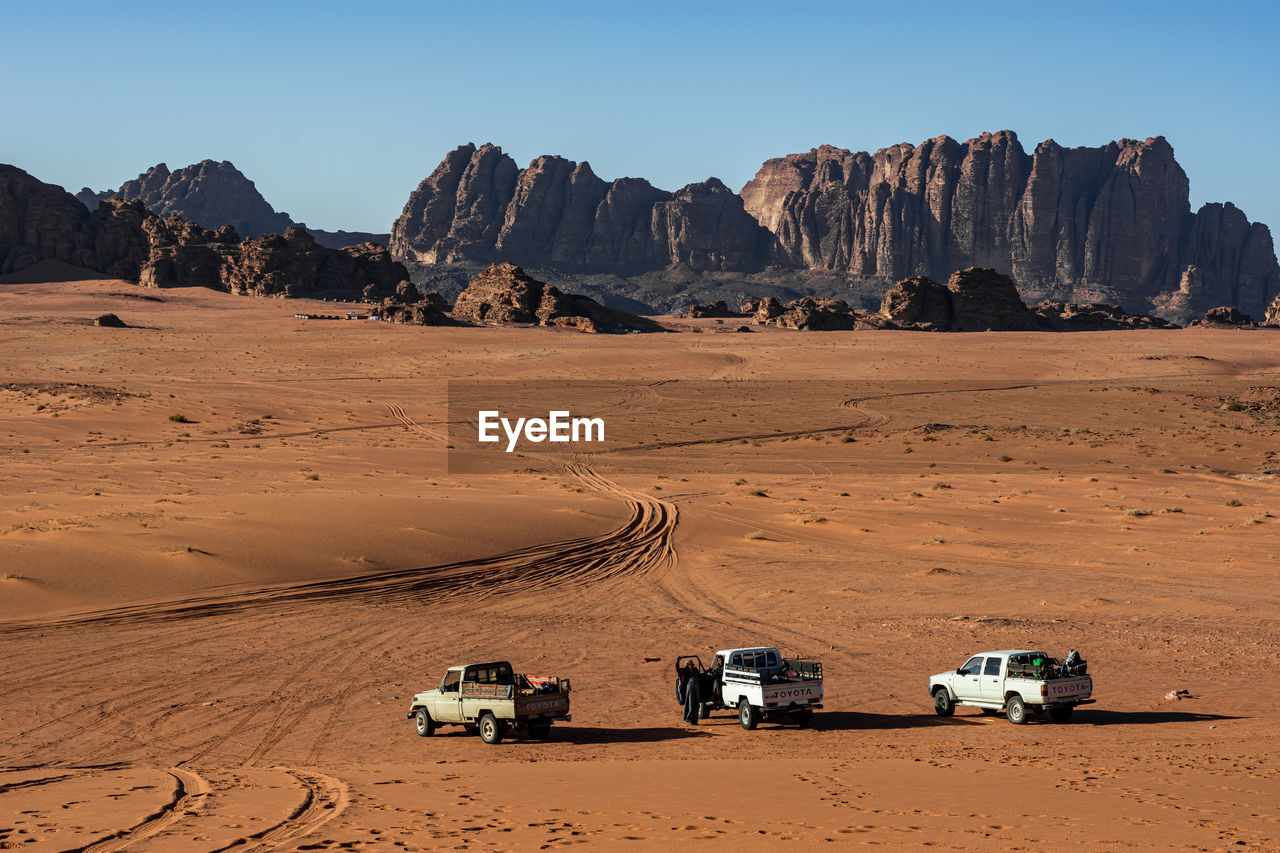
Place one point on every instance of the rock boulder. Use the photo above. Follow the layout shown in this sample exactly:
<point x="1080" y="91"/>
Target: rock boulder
<point x="504" y="294"/>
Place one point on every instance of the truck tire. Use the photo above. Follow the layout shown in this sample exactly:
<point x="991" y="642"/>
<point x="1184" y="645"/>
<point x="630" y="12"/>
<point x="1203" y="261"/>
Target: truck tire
<point x="748" y="716"/>
<point x="1061" y="715"/>
<point x="540" y="730"/>
<point x="423" y="724"/>
<point x="491" y="730"/>
<point x="943" y="704"/>
<point x="1016" y="710"/>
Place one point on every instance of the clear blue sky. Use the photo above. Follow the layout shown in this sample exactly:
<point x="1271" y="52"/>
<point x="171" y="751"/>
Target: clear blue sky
<point x="338" y="109"/>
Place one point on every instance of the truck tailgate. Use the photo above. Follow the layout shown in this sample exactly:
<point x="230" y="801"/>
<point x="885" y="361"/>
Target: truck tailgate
<point x="552" y="705"/>
<point x="1069" y="688"/>
<point x="803" y="692"/>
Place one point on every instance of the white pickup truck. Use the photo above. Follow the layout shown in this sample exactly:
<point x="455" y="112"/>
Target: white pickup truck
<point x="1016" y="682"/>
<point x="758" y="682"/>
<point x="491" y="698"/>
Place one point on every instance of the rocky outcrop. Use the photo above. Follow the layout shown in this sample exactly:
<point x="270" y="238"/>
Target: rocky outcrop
<point x="39" y="221"/>
<point x="1093" y="317"/>
<point x="478" y="206"/>
<point x="504" y="294"/>
<point x="719" y="308"/>
<point x="1225" y="315"/>
<point x="110" y="321"/>
<point x="410" y="307"/>
<point x="208" y="193"/>
<point x="1069" y="223"/>
<point x="214" y="194"/>
<point x="810" y="314"/>
<point x="1273" y="313"/>
<point x="972" y="300"/>
<point x="293" y="264"/>
<point x="124" y="239"/>
<point x="813" y="314"/>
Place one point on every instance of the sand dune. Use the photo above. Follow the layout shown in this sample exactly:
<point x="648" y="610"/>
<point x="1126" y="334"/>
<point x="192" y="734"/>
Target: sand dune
<point x="212" y="624"/>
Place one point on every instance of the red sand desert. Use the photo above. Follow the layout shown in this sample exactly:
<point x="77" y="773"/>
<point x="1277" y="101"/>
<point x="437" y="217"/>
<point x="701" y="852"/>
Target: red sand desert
<point x="212" y="625"/>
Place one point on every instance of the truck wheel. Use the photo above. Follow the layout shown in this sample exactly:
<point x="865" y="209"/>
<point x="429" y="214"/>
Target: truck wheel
<point x="943" y="704"/>
<point x="490" y="729"/>
<point x="1016" y="710"/>
<point x="423" y="724"/>
<point x="748" y="716"/>
<point x="1061" y="715"/>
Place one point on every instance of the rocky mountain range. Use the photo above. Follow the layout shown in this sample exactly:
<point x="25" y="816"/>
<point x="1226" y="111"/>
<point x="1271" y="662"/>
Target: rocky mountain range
<point x="1105" y="224"/>
<point x="213" y="194"/>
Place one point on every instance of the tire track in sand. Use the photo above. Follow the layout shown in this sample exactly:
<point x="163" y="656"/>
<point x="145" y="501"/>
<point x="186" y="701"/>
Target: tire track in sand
<point x="641" y="545"/>
<point x="324" y="799"/>
<point x="187" y="787"/>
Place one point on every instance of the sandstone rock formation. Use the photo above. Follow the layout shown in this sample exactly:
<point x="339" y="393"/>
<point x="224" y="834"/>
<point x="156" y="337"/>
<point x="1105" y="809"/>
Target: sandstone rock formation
<point x="1225" y="315"/>
<point x="1273" y="313"/>
<point x="124" y="239"/>
<point x="719" y="308"/>
<point x="1093" y="317"/>
<point x="293" y="264"/>
<point x="478" y="206"/>
<point x="207" y="193"/>
<point x="1112" y="221"/>
<point x="818" y="314"/>
<point x="110" y="321"/>
<point x="417" y="309"/>
<point x="214" y="194"/>
<point x="503" y="294"/>
<point x="39" y="221"/>
<point x="972" y="300"/>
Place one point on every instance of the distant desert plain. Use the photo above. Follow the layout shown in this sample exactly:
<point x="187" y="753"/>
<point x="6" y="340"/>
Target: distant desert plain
<point x="231" y="550"/>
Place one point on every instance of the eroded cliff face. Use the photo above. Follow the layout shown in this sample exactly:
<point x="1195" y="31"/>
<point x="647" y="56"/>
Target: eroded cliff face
<point x="1111" y="222"/>
<point x="903" y="211"/>
<point x="478" y="206"/>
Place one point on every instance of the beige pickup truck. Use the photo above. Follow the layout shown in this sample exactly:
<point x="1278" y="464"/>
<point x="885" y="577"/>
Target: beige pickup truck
<point x="491" y="698"/>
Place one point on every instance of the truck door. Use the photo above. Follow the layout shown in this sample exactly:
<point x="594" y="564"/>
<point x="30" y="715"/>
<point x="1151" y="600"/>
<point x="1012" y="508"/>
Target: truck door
<point x="448" y="709"/>
<point x="965" y="682"/>
<point x="992" y="681"/>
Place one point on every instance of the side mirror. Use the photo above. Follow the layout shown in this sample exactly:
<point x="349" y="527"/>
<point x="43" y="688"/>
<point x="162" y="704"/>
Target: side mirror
<point x="960" y="672"/>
